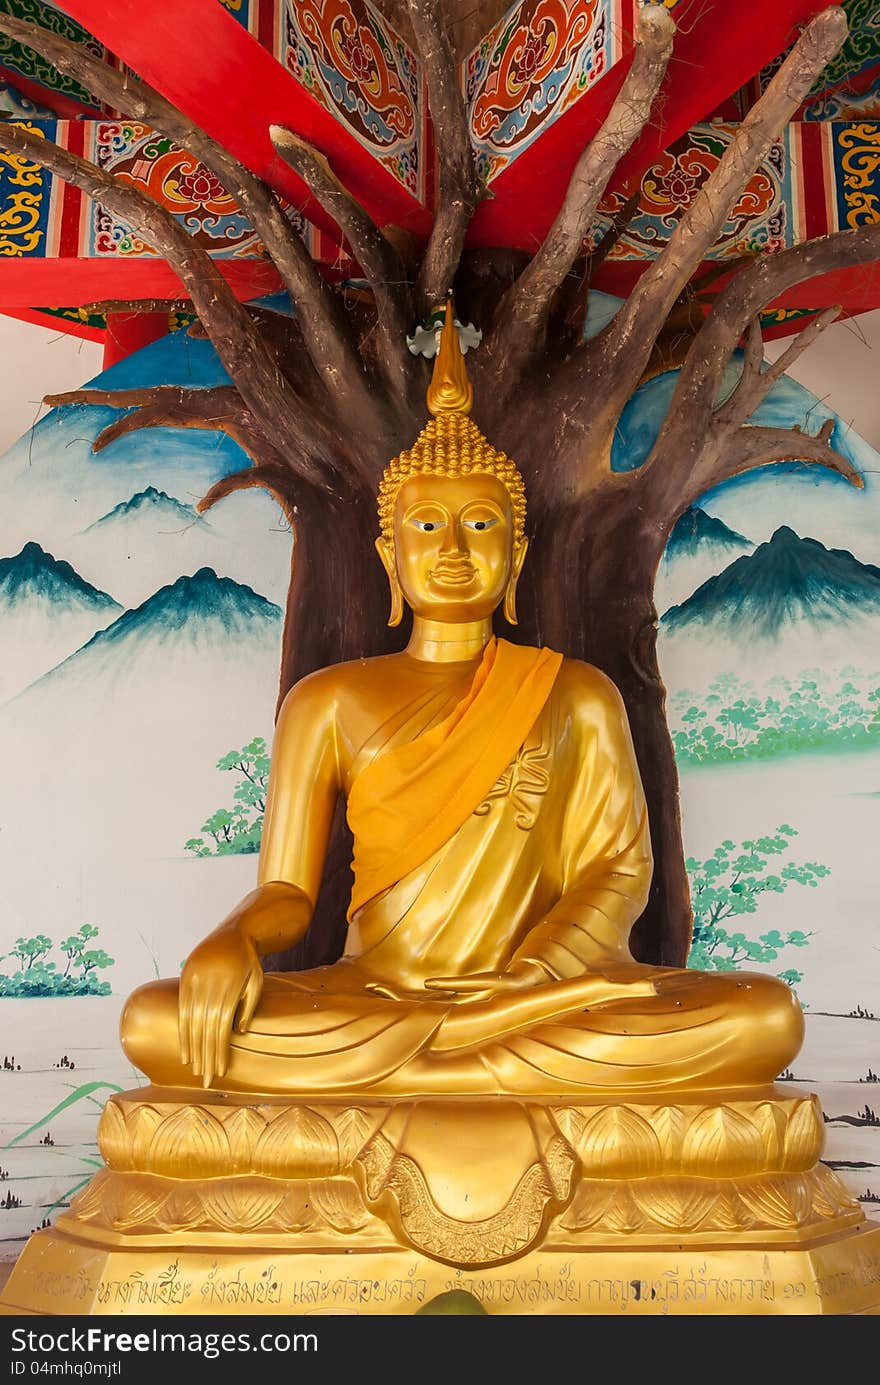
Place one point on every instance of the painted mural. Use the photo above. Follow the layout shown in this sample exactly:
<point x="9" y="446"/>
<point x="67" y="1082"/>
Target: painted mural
<point x="141" y="646"/>
<point x="46" y="217"/>
<point x="816" y="179"/>
<point x="528" y="70"/>
<point x="351" y="60"/>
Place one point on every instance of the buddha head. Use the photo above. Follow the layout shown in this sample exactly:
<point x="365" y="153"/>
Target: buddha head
<point x="452" y="509"/>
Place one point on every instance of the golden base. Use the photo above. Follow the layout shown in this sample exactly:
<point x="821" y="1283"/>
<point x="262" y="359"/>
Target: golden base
<point x="711" y="1202"/>
<point x="58" y="1274"/>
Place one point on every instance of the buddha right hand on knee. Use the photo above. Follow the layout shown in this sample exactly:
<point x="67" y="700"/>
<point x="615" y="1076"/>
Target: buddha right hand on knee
<point x="222" y="980"/>
<point x="220" y="986"/>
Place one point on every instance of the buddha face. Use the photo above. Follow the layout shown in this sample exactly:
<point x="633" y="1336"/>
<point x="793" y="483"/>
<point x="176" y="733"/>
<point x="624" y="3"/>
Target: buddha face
<point x="454" y="557"/>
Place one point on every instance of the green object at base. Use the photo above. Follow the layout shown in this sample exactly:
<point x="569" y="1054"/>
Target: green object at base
<point x="455" y="1302"/>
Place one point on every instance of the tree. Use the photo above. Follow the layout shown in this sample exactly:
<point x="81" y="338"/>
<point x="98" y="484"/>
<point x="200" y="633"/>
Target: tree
<point x="728" y="885"/>
<point x="96" y="959"/>
<point x="37" y="977"/>
<point x="31" y="951"/>
<point x="321" y="402"/>
<point x="239" y="831"/>
<point x="74" y="947"/>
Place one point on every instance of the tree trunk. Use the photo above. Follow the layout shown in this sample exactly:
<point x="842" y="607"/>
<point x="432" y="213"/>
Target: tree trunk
<point x="586" y="590"/>
<point x="337" y="605"/>
<point x="337" y="609"/>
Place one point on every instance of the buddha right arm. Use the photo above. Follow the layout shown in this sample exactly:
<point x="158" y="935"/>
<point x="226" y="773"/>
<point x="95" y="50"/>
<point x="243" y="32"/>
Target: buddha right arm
<point x="222" y="980"/>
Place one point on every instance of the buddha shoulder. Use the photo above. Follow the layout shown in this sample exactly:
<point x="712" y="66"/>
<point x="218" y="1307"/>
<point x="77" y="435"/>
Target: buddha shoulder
<point x="588" y="696"/>
<point x="326" y="697"/>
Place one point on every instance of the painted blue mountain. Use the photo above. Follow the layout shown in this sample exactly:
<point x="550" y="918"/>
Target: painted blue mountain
<point x="789" y="582"/>
<point x="699" y="547"/>
<point x="147" y="540"/>
<point x="156" y="504"/>
<point x="47" y="610"/>
<point x="123" y="737"/>
<point x="203" y="619"/>
<point x="35" y="574"/>
<point x="695" y="532"/>
<point x="198" y="604"/>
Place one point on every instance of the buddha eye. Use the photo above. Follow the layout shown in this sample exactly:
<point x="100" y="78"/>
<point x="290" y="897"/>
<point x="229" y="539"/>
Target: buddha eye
<point x="427" y="526"/>
<point x="479" y="524"/>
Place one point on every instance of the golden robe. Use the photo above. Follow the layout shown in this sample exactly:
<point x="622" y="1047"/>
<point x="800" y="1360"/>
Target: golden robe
<point x="511" y="828"/>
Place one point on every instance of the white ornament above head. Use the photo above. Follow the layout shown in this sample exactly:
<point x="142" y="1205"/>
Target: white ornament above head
<point x="425" y="340"/>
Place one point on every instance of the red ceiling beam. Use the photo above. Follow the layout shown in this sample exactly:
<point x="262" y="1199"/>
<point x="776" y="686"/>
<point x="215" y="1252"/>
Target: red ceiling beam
<point x="199" y="57"/>
<point x="62" y="282"/>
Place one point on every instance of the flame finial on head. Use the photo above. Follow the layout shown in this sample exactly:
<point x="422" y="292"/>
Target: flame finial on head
<point x="450" y="390"/>
<point x="450" y="444"/>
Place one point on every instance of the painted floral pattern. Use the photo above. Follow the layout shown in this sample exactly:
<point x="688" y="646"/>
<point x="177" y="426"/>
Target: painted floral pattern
<point x="538" y="59"/>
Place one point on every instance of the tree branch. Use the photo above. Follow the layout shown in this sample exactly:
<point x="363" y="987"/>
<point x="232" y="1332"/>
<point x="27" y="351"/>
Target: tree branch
<point x="278" y="479"/>
<point x="170" y="406"/>
<point x="616" y="228"/>
<point x="266" y="392"/>
<point x="751" y="447"/>
<point x="568" y="313"/>
<point x="523" y="311"/>
<point x="766" y="279"/>
<point x="459" y="188"/>
<point x="325" y="330"/>
<point x="755" y="382"/>
<point x="376" y="256"/>
<point x="629" y="340"/>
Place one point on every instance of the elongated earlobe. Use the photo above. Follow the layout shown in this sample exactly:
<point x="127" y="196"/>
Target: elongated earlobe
<point x="519" y="557"/>
<point x="395" y="615"/>
<point x="386" y="553"/>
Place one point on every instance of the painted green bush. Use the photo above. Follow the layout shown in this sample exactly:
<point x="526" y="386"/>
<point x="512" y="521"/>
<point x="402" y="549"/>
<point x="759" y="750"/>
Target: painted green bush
<point x="237" y="830"/>
<point x="732" y="720"/>
<point x="38" y="976"/>
<point x="730" y="884"/>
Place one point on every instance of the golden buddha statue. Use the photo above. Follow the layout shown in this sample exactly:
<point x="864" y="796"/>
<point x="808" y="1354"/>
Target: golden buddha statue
<point x="486" y="1075"/>
<point x="501" y="853"/>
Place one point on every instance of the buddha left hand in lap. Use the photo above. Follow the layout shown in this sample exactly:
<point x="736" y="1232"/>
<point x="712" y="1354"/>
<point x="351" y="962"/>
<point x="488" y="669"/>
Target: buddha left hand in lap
<point x="501" y="854"/>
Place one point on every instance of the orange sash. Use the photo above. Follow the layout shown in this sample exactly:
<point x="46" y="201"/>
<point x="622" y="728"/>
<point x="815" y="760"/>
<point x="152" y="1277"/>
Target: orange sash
<point x="410" y="801"/>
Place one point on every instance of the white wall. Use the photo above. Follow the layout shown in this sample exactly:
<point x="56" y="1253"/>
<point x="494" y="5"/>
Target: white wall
<point x="843" y="369"/>
<point x="35" y="361"/>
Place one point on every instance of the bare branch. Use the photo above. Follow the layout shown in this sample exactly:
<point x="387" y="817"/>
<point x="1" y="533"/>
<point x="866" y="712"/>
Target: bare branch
<point x="170" y="406"/>
<point x="459" y="188"/>
<point x="631" y="335"/>
<point x="278" y="479"/>
<point x="671" y="482"/>
<point x="376" y="256"/>
<point x="265" y="390"/>
<point x="616" y="228"/>
<point x="569" y="311"/>
<point x="522" y="313"/>
<point x="751" y="447"/>
<point x="137" y="305"/>
<point x="701" y="283"/>
<point x="751" y="290"/>
<point x="120" y="399"/>
<point x="755" y="382"/>
<point x="325" y="330"/>
<point x="753" y="358"/>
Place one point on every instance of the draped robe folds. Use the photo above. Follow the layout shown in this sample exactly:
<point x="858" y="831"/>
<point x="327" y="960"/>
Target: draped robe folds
<point x="512" y="828"/>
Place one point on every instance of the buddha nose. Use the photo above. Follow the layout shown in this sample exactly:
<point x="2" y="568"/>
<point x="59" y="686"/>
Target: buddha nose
<point x="454" y="540"/>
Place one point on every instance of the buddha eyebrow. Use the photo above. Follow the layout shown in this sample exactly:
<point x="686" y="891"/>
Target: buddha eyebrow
<point x="419" y="505"/>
